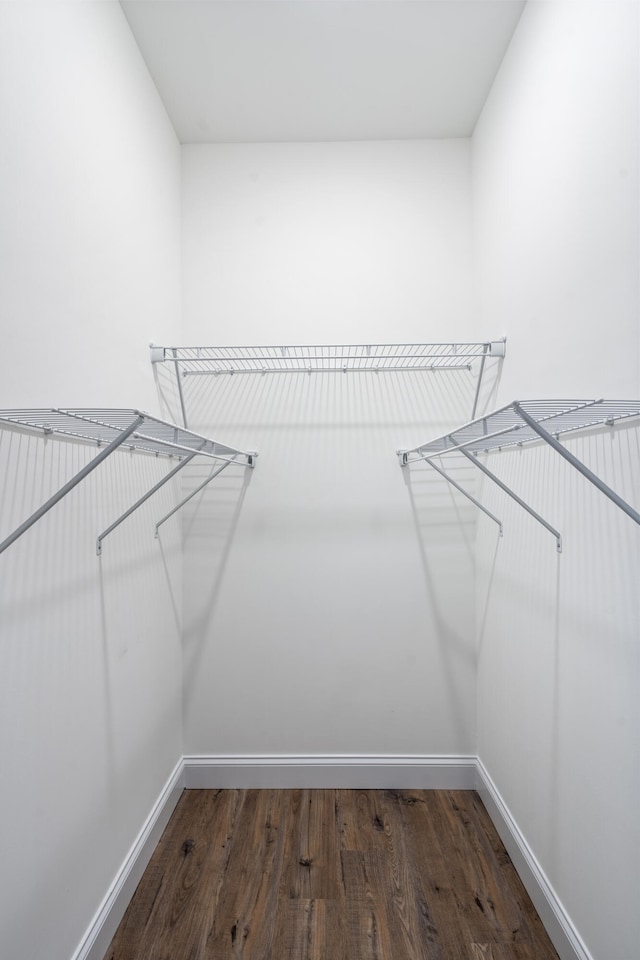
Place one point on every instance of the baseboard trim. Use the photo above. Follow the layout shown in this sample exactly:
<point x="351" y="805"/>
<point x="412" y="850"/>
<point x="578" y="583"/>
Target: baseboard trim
<point x="361" y="772"/>
<point x="100" y="932"/>
<point x="364" y="772"/>
<point x="555" y="918"/>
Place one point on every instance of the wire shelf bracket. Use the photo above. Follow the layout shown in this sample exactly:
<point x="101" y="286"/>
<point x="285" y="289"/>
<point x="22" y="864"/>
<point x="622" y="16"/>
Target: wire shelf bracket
<point x="522" y="422"/>
<point x="216" y="471"/>
<point x="327" y="358"/>
<point x="465" y="493"/>
<point x="127" y="428"/>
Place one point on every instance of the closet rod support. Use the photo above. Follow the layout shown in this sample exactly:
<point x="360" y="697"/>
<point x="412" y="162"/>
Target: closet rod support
<point x="142" y="500"/>
<point x="496" y="348"/>
<point x="578" y="464"/>
<point x="514" y="496"/>
<point x="70" y="484"/>
<point x="180" y="393"/>
<point x="455" y="484"/>
<point x="479" y="384"/>
<point x="215" y="473"/>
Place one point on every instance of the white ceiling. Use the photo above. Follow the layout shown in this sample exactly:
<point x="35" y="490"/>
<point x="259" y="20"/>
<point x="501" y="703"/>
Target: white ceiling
<point x="305" y="70"/>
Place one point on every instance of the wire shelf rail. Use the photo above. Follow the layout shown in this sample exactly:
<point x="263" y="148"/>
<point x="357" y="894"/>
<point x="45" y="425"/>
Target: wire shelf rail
<point x="522" y="422"/>
<point x="110" y="429"/>
<point x="336" y="358"/>
<point x="327" y="358"/>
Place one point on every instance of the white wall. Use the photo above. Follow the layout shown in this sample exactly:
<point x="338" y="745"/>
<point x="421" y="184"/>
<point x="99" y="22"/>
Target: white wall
<point x="334" y="612"/>
<point x="328" y="243"/>
<point x="555" y="158"/>
<point x="90" y="207"/>
<point x="328" y="603"/>
<point x="555" y="165"/>
<point x="90" y="725"/>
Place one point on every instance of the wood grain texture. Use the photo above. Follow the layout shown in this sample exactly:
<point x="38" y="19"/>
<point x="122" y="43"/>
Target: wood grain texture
<point x="330" y="875"/>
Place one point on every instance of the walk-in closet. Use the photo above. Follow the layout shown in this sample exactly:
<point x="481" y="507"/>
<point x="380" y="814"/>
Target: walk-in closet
<point x="320" y="479"/>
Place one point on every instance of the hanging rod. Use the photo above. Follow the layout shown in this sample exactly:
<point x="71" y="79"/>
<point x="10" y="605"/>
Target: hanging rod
<point x="131" y="429"/>
<point x="336" y="358"/>
<point x="523" y="422"/>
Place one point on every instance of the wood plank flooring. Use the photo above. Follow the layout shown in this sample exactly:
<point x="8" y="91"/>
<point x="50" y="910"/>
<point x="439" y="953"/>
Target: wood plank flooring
<point x="330" y="875"/>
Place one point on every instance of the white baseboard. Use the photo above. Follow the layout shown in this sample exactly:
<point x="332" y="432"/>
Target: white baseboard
<point x="362" y="772"/>
<point x="555" y="918"/>
<point x="96" y="940"/>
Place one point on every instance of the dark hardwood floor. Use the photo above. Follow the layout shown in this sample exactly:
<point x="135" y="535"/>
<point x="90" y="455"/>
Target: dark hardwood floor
<point x="330" y="875"/>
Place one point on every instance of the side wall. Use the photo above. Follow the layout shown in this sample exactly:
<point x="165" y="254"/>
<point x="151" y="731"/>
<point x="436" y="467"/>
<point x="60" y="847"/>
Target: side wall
<point x="90" y="698"/>
<point x="332" y="613"/>
<point x="555" y="164"/>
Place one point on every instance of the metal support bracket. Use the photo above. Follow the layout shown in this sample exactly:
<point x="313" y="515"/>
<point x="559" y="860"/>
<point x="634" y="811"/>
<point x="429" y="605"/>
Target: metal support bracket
<point x="63" y="491"/>
<point x="226" y="461"/>
<point x="495" y="348"/>
<point x="578" y="464"/>
<point x="251" y="462"/>
<point x="143" y="499"/>
<point x="479" y="384"/>
<point x="514" y="496"/>
<point x="180" y="393"/>
<point x="464" y="492"/>
<point x="215" y="473"/>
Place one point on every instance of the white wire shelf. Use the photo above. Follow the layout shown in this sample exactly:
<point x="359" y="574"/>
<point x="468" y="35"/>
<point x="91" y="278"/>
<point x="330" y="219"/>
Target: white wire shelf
<point x="102" y="425"/>
<point x="110" y="429"/>
<point x="328" y="358"/>
<point x="336" y="358"/>
<point x="522" y="422"/>
<point x="506" y="426"/>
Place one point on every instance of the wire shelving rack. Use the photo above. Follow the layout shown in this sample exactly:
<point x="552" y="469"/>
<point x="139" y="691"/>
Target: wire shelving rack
<point x="327" y="358"/>
<point x="522" y="422"/>
<point x="111" y="429"/>
<point x="336" y="358"/>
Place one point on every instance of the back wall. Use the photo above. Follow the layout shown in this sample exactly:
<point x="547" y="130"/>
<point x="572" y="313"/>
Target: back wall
<point x="334" y="613"/>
